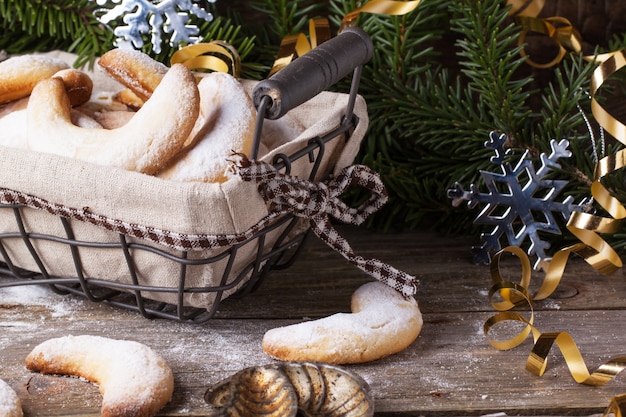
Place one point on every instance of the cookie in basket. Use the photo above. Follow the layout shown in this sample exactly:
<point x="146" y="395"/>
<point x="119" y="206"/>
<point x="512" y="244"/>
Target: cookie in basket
<point x="20" y="74"/>
<point x="227" y="125"/>
<point x="154" y="134"/>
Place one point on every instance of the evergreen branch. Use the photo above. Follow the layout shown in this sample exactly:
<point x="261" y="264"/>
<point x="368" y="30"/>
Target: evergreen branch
<point x="559" y="115"/>
<point x="35" y="25"/>
<point x="287" y="17"/>
<point x="425" y="124"/>
<point x="489" y="58"/>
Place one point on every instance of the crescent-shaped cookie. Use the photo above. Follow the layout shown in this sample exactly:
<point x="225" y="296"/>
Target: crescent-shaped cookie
<point x="10" y="404"/>
<point x="155" y="133"/>
<point x="14" y="120"/>
<point x="134" y="380"/>
<point x="134" y="69"/>
<point x="382" y="322"/>
<point x="20" y="74"/>
<point x="225" y="125"/>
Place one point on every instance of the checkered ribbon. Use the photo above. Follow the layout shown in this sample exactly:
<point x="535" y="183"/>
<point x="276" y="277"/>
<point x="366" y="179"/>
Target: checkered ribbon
<point x="318" y="201"/>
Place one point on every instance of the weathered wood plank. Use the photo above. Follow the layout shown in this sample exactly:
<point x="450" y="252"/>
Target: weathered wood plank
<point x="449" y="280"/>
<point x="450" y="370"/>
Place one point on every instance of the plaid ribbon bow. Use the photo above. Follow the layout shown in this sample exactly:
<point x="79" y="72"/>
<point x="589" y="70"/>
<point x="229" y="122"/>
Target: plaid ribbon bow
<point x="317" y="201"/>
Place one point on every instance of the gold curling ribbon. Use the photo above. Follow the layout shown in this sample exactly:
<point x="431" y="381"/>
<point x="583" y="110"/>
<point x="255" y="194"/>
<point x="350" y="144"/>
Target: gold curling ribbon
<point x="217" y="55"/>
<point x="384" y="7"/>
<point x="516" y="295"/>
<point x="617" y="407"/>
<point x="294" y="46"/>
<point x="586" y="226"/>
<point x="526" y="7"/>
<point x="559" y="29"/>
<point x="608" y="67"/>
<point x="592" y="248"/>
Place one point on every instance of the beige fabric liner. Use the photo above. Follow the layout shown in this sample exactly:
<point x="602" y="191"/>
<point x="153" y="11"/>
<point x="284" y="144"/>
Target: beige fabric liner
<point x="194" y="208"/>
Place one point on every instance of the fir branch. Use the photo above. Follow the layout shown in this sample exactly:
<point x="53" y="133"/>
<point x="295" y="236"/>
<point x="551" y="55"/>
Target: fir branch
<point x="287" y="17"/>
<point x="428" y="127"/>
<point x="35" y="25"/>
<point x="490" y="57"/>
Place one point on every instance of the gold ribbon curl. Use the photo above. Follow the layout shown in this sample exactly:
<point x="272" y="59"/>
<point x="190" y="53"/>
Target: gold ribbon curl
<point x="294" y="46"/>
<point x="586" y="227"/>
<point x="526" y="7"/>
<point x="617" y="407"/>
<point x="217" y="55"/>
<point x="383" y="7"/>
<point x="517" y="295"/>
<point x="592" y="248"/>
<point x="559" y="29"/>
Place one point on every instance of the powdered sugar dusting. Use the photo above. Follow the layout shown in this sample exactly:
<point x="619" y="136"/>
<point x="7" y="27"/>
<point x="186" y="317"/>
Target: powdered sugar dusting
<point x="228" y="116"/>
<point x="131" y="375"/>
<point x="32" y="65"/>
<point x="40" y="295"/>
<point x="10" y="405"/>
<point x="382" y="323"/>
<point x="134" y="69"/>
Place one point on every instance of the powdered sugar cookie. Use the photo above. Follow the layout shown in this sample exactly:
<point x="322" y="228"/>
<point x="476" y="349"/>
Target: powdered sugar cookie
<point x="154" y="134"/>
<point x="382" y="322"/>
<point x="10" y="404"/>
<point x="14" y="122"/>
<point x="225" y="125"/>
<point x="133" y="379"/>
<point x="134" y="69"/>
<point x="20" y="74"/>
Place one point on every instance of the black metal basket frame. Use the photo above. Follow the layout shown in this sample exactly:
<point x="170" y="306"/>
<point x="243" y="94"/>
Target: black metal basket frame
<point x="131" y="296"/>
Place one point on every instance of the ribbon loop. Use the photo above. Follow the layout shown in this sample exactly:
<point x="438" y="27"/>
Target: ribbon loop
<point x="302" y="198"/>
<point x="317" y="202"/>
<point x="513" y="295"/>
<point x="617" y="407"/>
<point x="559" y="29"/>
<point x="216" y="55"/>
<point x="383" y="7"/>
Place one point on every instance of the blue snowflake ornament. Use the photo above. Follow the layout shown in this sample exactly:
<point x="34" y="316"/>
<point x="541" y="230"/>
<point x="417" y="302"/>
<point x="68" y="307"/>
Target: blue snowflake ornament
<point x="145" y="17"/>
<point x="520" y="203"/>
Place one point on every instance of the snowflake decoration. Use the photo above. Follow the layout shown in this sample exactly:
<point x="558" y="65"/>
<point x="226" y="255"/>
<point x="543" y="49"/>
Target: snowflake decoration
<point x="143" y="17"/>
<point x="510" y="204"/>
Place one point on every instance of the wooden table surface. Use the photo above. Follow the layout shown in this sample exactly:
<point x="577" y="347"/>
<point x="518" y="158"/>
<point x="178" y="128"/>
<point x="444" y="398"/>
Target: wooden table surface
<point x="450" y="370"/>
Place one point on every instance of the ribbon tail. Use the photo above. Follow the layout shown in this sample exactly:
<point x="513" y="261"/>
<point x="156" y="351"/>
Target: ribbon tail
<point x="399" y="280"/>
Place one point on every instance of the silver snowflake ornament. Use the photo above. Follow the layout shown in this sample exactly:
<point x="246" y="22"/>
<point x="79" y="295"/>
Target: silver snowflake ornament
<point x="146" y="17"/>
<point x="520" y="203"/>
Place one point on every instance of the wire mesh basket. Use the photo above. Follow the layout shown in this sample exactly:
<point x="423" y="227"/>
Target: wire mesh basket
<point x="68" y="225"/>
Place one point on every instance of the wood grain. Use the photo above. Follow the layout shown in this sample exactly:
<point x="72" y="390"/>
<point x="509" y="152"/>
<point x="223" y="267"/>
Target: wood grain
<point x="450" y="370"/>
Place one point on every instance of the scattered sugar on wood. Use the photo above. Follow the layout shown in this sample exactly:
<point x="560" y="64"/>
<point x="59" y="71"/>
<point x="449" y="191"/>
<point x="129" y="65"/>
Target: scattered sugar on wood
<point x="38" y="295"/>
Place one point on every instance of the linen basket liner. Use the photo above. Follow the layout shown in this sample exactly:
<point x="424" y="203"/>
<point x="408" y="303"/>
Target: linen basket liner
<point x="102" y="201"/>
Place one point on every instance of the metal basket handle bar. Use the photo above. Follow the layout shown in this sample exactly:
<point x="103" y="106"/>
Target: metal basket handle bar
<point x="309" y="75"/>
<point x="317" y="143"/>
